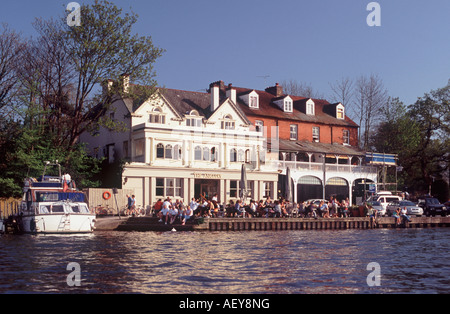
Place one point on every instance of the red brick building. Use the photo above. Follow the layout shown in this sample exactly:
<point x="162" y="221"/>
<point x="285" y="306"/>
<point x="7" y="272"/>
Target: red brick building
<point x="313" y="137"/>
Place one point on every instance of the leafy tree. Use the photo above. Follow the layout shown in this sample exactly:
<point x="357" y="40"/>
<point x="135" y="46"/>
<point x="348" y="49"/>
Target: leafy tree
<point x="56" y="92"/>
<point x="68" y="65"/>
<point x="432" y="115"/>
<point x="398" y="134"/>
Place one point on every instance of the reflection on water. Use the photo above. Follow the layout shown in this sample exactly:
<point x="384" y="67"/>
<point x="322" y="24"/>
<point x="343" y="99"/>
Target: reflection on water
<point x="412" y="261"/>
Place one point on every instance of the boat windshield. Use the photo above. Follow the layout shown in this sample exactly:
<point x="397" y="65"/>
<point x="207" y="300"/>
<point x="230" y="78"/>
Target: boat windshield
<point x="79" y="208"/>
<point x="64" y="208"/>
<point x="51" y="209"/>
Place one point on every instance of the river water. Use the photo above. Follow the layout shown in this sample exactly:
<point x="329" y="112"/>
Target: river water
<point x="251" y="262"/>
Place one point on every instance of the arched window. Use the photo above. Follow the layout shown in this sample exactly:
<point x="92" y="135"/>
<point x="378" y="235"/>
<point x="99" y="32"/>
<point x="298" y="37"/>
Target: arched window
<point x="241" y="155"/>
<point x="157" y="116"/>
<point x="160" y="151"/>
<point x="205" y="153"/>
<point x="198" y="153"/>
<point x="247" y="156"/>
<point x="228" y="123"/>
<point x="233" y="155"/>
<point x="193" y="119"/>
<point x="214" y="154"/>
<point x="168" y="151"/>
<point x="177" y="152"/>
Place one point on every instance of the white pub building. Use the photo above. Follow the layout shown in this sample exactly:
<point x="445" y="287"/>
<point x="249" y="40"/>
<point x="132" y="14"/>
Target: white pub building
<point x="183" y="144"/>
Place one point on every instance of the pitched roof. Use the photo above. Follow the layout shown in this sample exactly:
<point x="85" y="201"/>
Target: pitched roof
<point x="268" y="109"/>
<point x="324" y="148"/>
<point x="185" y="101"/>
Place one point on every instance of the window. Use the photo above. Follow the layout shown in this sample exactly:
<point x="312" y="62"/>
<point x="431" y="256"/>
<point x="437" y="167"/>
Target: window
<point x="293" y="133"/>
<point x="233" y="155"/>
<point x="160" y="151"/>
<point x="227" y="123"/>
<point x="177" y="152"/>
<point x="259" y="126"/>
<point x="169" y="187"/>
<point x="205" y="153"/>
<point x="198" y="153"/>
<point x="346" y="137"/>
<point x="170" y="184"/>
<point x="340" y="112"/>
<point x="316" y="134"/>
<point x="159" y="186"/>
<point x="168" y="151"/>
<point x="213" y="154"/>
<point x="194" y="122"/>
<point x="139" y="147"/>
<point x="241" y="156"/>
<point x="248" y="157"/>
<point x="268" y="188"/>
<point x="254" y="102"/>
<point x="250" y="189"/>
<point x="310" y="107"/>
<point x="233" y="188"/>
<point x="288" y="106"/>
<point x="157" y="116"/>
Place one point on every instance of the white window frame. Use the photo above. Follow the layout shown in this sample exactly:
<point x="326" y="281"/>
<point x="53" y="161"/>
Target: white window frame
<point x="310" y="108"/>
<point x="346" y="137"/>
<point x="157" y="116"/>
<point x="293" y="130"/>
<point x="316" y="134"/>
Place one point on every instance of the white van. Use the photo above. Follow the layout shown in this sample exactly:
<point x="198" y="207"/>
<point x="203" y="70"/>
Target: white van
<point x="385" y="198"/>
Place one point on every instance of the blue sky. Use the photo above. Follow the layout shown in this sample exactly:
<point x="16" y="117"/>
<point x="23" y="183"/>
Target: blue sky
<point x="315" y="42"/>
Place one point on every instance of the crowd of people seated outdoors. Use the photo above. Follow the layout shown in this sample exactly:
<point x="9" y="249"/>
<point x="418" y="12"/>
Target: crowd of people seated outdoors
<point x="169" y="211"/>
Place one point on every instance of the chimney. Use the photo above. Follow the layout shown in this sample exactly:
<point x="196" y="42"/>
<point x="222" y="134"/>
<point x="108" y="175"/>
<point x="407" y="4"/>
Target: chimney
<point x="276" y="90"/>
<point x="231" y="93"/>
<point x="215" y="95"/>
<point x="126" y="82"/>
<point x="106" y="86"/>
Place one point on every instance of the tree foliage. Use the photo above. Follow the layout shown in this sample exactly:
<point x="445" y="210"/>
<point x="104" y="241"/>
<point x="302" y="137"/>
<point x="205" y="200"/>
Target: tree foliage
<point x="53" y="85"/>
<point x="420" y="135"/>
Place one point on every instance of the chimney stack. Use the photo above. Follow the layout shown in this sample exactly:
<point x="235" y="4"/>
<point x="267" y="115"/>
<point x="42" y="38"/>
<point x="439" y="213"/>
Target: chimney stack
<point x="215" y="94"/>
<point x="231" y="93"/>
<point x="106" y="86"/>
<point x="276" y="90"/>
<point x="126" y="82"/>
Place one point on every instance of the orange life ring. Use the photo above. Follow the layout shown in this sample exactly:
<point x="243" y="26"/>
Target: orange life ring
<point x="106" y="195"/>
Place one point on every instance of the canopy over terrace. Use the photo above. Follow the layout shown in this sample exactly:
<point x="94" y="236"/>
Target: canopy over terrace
<point x="329" y="164"/>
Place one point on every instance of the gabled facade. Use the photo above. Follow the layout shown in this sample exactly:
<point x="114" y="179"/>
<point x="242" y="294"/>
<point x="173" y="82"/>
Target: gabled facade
<point x="181" y="144"/>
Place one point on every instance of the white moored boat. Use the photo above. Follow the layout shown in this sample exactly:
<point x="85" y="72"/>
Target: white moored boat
<point x="54" y="205"/>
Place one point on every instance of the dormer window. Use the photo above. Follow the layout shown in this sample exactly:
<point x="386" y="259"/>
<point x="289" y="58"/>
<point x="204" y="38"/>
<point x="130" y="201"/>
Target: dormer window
<point x="287" y="105"/>
<point x="254" y="102"/>
<point x="310" y="107"/>
<point x="340" y="112"/>
<point x="156" y="116"/>
<point x="251" y="99"/>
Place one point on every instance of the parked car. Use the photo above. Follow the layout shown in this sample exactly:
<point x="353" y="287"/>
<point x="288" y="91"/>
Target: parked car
<point x="378" y="207"/>
<point x="384" y="199"/>
<point x="432" y="207"/>
<point x="411" y="208"/>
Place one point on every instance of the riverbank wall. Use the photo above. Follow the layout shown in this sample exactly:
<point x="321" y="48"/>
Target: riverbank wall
<point x="262" y="224"/>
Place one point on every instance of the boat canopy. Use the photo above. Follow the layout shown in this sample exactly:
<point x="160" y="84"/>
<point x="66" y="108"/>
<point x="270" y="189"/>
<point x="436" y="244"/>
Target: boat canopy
<point x="75" y="197"/>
